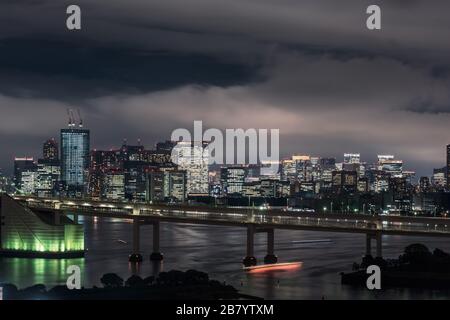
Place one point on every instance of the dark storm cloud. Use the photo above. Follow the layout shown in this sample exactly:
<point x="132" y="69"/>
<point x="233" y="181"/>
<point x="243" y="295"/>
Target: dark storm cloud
<point x="142" y="68"/>
<point x="60" y="69"/>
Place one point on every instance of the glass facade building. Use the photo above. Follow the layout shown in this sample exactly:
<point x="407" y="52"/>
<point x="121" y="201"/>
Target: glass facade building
<point x="74" y="158"/>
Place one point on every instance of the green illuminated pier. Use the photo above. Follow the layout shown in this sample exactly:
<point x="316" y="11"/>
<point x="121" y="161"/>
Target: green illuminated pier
<point x="37" y="233"/>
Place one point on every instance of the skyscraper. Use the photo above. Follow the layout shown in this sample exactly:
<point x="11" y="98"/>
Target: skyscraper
<point x="232" y="179"/>
<point x="47" y="177"/>
<point x="193" y="158"/>
<point x="74" y="158"/>
<point x="50" y="150"/>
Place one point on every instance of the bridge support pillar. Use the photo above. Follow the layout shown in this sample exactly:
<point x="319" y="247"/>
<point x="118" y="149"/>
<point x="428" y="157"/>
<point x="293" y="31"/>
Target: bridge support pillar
<point x="75" y="218"/>
<point x="250" y="259"/>
<point x="378" y="238"/>
<point x="156" y="254"/>
<point x="270" y="257"/>
<point x="136" y="256"/>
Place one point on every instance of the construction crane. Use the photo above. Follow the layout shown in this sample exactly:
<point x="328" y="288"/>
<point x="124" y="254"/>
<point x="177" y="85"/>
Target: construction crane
<point x="80" y="120"/>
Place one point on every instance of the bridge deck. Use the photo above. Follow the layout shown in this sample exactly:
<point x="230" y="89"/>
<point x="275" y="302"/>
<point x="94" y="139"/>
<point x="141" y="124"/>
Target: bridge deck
<point x="349" y="223"/>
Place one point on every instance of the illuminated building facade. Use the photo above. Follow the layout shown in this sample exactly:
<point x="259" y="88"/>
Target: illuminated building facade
<point x="438" y="179"/>
<point x="50" y="150"/>
<point x="48" y="175"/>
<point x="232" y="179"/>
<point x="136" y="180"/>
<point x="193" y="158"/>
<point x="175" y="185"/>
<point x="25" y="173"/>
<point x="388" y="164"/>
<point x="74" y="159"/>
<point x="344" y="181"/>
<point x="155" y="187"/>
<point x="352" y="158"/>
<point x="113" y="186"/>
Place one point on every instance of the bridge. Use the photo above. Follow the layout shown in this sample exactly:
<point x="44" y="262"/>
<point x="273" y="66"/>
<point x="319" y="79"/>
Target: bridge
<point x="254" y="220"/>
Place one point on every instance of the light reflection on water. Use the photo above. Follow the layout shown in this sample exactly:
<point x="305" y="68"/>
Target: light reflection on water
<point x="219" y="251"/>
<point x="26" y="272"/>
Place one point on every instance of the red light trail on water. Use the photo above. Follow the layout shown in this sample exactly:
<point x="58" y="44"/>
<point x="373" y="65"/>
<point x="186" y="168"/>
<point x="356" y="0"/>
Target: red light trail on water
<point x="286" y="266"/>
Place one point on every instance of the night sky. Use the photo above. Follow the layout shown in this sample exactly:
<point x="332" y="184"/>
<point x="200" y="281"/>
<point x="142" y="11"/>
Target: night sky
<point x="142" y="68"/>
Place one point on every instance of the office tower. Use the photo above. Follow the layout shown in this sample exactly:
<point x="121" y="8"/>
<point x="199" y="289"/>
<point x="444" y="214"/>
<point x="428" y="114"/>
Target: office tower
<point x="136" y="180"/>
<point x="193" y="158"/>
<point x="74" y="158"/>
<point x="155" y="186"/>
<point x="448" y="166"/>
<point x="100" y="162"/>
<point x="424" y="184"/>
<point x="50" y="150"/>
<point x="344" y="181"/>
<point x="299" y="168"/>
<point x="232" y="179"/>
<point x="169" y="185"/>
<point x="48" y="176"/>
<point x="25" y="170"/>
<point x="175" y="183"/>
<point x="363" y="185"/>
<point x="274" y="188"/>
<point x="409" y="176"/>
<point x="352" y="158"/>
<point x="113" y="184"/>
<point x="380" y="181"/>
<point x="388" y="164"/>
<point x="401" y="197"/>
<point x="288" y="170"/>
<point x="439" y="178"/>
<point x="251" y="189"/>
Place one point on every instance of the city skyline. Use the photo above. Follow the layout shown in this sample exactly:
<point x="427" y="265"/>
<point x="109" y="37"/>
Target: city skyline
<point x="8" y="169"/>
<point x="224" y="149"/>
